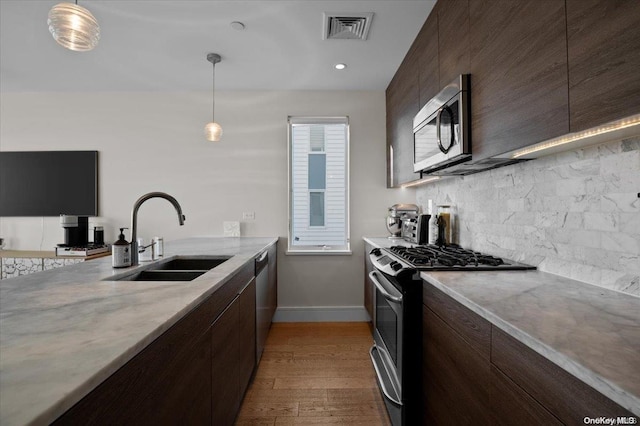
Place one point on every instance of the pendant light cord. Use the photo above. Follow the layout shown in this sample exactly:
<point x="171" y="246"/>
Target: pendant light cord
<point x="213" y="97"/>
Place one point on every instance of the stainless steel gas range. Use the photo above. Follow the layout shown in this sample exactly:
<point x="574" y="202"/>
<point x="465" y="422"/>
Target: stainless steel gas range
<point x="397" y="351"/>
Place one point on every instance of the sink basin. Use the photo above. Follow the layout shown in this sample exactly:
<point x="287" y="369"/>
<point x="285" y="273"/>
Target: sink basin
<point x="191" y="263"/>
<point x="155" y="275"/>
<point x="177" y="269"/>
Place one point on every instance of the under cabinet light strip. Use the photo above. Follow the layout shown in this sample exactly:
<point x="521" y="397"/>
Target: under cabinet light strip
<point x="573" y="137"/>
<point x="421" y="181"/>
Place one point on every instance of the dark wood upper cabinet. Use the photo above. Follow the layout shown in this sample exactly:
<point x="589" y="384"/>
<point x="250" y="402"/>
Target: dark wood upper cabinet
<point x="402" y="99"/>
<point x="604" y="58"/>
<point x="518" y="60"/>
<point x="453" y="39"/>
<point x="427" y="52"/>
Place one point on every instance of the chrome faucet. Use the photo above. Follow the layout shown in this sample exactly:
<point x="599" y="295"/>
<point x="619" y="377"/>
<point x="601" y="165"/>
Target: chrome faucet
<point x="134" y="219"/>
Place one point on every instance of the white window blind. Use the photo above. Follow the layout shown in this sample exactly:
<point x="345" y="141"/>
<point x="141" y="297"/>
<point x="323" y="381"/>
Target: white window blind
<point x="318" y="185"/>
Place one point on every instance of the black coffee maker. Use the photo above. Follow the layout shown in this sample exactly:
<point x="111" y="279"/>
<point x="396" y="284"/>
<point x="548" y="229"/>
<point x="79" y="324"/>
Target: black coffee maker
<point x="76" y="230"/>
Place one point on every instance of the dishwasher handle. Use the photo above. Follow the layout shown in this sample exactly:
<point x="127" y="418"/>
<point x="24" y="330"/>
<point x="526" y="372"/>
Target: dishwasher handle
<point x="262" y="261"/>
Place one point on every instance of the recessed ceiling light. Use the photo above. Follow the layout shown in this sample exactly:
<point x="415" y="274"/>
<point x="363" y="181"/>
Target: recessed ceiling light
<point x="237" y="25"/>
<point x="340" y="66"/>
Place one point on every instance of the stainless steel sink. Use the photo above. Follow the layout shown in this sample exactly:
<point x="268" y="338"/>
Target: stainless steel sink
<point x="191" y="263"/>
<point x="181" y="268"/>
<point x="155" y="275"/>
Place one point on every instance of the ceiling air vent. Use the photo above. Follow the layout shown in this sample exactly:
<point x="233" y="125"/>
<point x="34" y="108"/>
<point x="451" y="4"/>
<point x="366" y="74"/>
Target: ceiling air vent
<point x="354" y="26"/>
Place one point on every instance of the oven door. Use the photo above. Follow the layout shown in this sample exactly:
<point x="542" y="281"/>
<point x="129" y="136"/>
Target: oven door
<point x="386" y="354"/>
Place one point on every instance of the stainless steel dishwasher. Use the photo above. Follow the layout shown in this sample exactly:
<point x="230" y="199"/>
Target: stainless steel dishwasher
<point x="263" y="318"/>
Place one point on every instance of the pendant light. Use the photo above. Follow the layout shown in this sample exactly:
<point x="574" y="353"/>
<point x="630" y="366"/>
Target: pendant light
<point x="73" y="27"/>
<point x="213" y="130"/>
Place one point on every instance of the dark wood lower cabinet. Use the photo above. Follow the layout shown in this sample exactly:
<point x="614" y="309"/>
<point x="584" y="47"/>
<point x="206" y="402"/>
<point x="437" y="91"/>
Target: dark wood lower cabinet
<point x="246" y="335"/>
<point x="225" y="368"/>
<point x="562" y="394"/>
<point x="169" y="382"/>
<point x="233" y="355"/>
<point x="514" y="386"/>
<point x="195" y="373"/>
<point x="512" y="406"/>
<point x="455" y="377"/>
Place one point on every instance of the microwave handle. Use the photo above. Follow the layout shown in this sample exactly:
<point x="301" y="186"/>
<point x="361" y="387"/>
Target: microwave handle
<point x="383" y="290"/>
<point x="438" y="133"/>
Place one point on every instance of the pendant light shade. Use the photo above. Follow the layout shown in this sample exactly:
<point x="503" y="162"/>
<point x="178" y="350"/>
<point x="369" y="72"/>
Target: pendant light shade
<point x="213" y="131"/>
<point x="73" y="27"/>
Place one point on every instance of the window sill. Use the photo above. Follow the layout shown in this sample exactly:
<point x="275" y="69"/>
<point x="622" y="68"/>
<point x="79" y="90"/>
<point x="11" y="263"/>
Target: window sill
<point x="318" y="252"/>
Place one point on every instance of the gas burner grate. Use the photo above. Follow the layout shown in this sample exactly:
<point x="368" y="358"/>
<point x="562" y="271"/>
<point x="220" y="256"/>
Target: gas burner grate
<point x="451" y="257"/>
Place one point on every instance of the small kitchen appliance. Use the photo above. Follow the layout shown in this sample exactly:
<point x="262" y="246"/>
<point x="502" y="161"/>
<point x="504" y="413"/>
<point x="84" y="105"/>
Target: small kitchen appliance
<point x="76" y="230"/>
<point x="441" y="129"/>
<point x="415" y="228"/>
<point x="397" y="213"/>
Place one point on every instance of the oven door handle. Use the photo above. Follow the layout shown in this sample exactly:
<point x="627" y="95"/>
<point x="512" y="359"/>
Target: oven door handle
<point x="385" y="391"/>
<point x="385" y="293"/>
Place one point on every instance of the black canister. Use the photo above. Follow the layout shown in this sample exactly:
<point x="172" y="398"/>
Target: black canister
<point x="98" y="235"/>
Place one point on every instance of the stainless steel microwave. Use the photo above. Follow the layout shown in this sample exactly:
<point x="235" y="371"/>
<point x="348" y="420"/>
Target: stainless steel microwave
<point x="441" y="129"/>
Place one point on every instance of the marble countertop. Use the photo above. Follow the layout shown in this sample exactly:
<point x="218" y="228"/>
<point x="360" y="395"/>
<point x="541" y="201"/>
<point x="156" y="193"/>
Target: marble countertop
<point x="63" y="331"/>
<point x="591" y="332"/>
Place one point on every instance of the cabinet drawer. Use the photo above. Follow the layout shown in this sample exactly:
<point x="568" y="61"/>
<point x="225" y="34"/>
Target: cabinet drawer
<point x="513" y="406"/>
<point x="224" y="295"/>
<point x="565" y="396"/>
<point x="474" y="329"/>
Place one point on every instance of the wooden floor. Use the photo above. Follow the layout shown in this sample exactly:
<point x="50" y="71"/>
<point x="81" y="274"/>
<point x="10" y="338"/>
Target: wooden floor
<point x="315" y="374"/>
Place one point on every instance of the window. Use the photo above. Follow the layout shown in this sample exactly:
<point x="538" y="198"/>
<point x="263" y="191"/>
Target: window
<point x="318" y="185"/>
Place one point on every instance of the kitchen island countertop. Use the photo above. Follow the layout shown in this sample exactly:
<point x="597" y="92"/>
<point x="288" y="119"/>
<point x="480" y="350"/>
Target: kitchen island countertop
<point x="63" y="331"/>
<point x="589" y="331"/>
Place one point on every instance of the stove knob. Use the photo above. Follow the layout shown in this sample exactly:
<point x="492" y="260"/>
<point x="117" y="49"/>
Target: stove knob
<point x="376" y="252"/>
<point x="396" y="266"/>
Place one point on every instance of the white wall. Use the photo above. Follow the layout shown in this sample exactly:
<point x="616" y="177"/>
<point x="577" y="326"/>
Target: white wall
<point x="154" y="142"/>
<point x="575" y="214"/>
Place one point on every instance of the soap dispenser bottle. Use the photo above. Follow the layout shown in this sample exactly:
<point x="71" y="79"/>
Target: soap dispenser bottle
<point x="121" y="252"/>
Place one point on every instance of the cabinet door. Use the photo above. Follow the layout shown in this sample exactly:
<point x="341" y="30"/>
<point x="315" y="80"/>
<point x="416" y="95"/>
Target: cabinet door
<point x="427" y="53"/>
<point x="169" y="382"/>
<point x="225" y="368"/>
<point x="562" y="394"/>
<point x="453" y="39"/>
<point x="402" y="105"/>
<point x="455" y="377"/>
<point x="518" y="74"/>
<point x="474" y="329"/>
<point x="603" y="45"/>
<point x="247" y="335"/>
<point x="512" y="406"/>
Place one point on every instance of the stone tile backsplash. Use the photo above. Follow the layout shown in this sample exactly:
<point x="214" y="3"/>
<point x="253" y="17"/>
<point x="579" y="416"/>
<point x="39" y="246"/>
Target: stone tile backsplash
<point x="575" y="214"/>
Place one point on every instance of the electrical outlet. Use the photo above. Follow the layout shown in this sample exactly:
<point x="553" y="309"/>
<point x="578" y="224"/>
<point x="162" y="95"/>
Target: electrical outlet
<point x="248" y="215"/>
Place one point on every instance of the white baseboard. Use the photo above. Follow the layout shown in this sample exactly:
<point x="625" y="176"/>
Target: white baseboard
<point x="321" y="314"/>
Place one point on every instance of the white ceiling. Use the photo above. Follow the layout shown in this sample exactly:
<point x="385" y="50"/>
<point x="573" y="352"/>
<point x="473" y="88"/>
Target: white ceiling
<point x="161" y="45"/>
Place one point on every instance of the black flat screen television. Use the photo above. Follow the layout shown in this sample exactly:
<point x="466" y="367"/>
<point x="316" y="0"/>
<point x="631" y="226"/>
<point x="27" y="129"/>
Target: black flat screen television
<point x="49" y="183"/>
